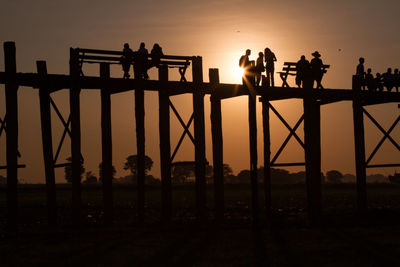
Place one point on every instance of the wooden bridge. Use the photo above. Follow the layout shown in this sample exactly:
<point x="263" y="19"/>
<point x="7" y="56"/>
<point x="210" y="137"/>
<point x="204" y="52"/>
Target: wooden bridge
<point x="76" y="81"/>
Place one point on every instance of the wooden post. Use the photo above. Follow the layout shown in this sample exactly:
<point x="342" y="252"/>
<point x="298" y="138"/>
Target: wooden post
<point x="359" y="142"/>
<point x="267" y="156"/>
<point x="11" y="88"/>
<point x="199" y="137"/>
<point x="253" y="157"/>
<point x="312" y="141"/>
<point x="47" y="143"/>
<point x="106" y="147"/>
<point x="140" y="137"/>
<point x="76" y="163"/>
<point x="217" y="142"/>
<point x="165" y="145"/>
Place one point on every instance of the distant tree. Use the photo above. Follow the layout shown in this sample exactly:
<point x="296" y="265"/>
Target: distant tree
<point x="243" y="176"/>
<point x="131" y="164"/>
<point x="181" y="171"/>
<point x="227" y="170"/>
<point x="113" y="172"/>
<point x="68" y="170"/>
<point x="334" y="177"/>
<point x="90" y="178"/>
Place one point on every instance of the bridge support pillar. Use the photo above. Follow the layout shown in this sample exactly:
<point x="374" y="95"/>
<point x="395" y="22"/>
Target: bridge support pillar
<point x="47" y="143"/>
<point x="11" y="88"/>
<point x="106" y="145"/>
<point x="267" y="157"/>
<point x="140" y="142"/>
<point x="165" y="144"/>
<point x="217" y="141"/>
<point x="199" y="137"/>
<point x="359" y="142"/>
<point x="312" y="138"/>
<point x="76" y="164"/>
<point x="253" y="157"/>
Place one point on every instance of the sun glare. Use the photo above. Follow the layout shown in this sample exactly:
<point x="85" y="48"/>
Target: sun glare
<point x="239" y="72"/>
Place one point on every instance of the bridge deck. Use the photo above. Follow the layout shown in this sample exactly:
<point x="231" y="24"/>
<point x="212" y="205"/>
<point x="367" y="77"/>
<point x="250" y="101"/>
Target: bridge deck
<point x="57" y="82"/>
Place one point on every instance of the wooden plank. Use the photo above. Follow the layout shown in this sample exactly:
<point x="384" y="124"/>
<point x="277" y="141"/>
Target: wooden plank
<point x="253" y="158"/>
<point x="199" y="136"/>
<point x="11" y="88"/>
<point x="267" y="157"/>
<point x="359" y="143"/>
<point x="140" y="143"/>
<point x="217" y="143"/>
<point x="312" y="141"/>
<point x="165" y="145"/>
<point x="47" y="145"/>
<point x="106" y="147"/>
<point x="74" y="98"/>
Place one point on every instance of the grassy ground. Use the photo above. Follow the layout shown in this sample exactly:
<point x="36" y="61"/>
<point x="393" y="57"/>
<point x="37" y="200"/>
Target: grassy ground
<point x="345" y="238"/>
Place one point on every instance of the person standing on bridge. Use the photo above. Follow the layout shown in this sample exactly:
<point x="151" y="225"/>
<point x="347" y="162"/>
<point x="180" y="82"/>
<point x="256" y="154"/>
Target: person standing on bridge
<point x="270" y="65"/>
<point x="302" y="68"/>
<point x="126" y="60"/>
<point x="360" y="73"/>
<point x="316" y="69"/>
<point x="244" y="62"/>
<point x="259" y="67"/>
<point x="156" y="54"/>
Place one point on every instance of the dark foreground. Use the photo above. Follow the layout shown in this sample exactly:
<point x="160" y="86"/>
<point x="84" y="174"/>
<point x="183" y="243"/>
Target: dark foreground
<point x="345" y="238"/>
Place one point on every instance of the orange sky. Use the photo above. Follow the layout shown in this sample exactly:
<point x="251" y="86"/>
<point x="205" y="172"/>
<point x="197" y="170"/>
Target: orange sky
<point x="219" y="31"/>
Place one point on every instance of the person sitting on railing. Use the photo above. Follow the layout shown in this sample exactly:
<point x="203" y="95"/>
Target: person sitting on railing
<point x="140" y="67"/>
<point x="396" y="79"/>
<point x="388" y="79"/>
<point x="361" y="73"/>
<point x="370" y="81"/>
<point x="126" y="60"/>
<point x="156" y="53"/>
<point x="378" y="82"/>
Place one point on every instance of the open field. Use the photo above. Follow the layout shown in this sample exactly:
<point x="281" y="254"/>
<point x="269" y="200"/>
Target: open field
<point x="345" y="237"/>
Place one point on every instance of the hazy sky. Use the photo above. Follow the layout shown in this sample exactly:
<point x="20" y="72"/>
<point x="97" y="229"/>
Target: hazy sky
<point x="219" y="31"/>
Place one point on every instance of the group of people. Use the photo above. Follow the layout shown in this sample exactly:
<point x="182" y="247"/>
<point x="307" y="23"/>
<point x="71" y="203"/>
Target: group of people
<point x="139" y="60"/>
<point x="253" y="69"/>
<point x="389" y="79"/>
<point x="306" y="72"/>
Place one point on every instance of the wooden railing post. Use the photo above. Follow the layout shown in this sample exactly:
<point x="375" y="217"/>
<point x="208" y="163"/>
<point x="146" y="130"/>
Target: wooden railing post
<point x="165" y="144"/>
<point x="47" y="143"/>
<point x="11" y="88"/>
<point x="199" y="137"/>
<point x="217" y="142"/>
<point x="106" y="147"/>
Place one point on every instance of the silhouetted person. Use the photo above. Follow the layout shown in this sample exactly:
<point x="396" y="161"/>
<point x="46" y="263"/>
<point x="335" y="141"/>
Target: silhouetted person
<point x="126" y="60"/>
<point x="259" y="67"/>
<point x="302" y="67"/>
<point x="157" y="53"/>
<point x="361" y="73"/>
<point x="370" y="81"/>
<point x="140" y="66"/>
<point x="396" y="79"/>
<point x="316" y="68"/>
<point x="244" y="62"/>
<point x="378" y="82"/>
<point x="270" y="65"/>
<point x="388" y="79"/>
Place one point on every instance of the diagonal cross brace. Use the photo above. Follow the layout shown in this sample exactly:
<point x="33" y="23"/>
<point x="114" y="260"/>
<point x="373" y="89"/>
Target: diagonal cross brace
<point x="386" y="135"/>
<point x="3" y="127"/>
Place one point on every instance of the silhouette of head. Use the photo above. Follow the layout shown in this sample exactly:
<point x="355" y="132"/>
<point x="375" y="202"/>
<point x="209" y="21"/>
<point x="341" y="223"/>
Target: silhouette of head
<point x="156" y="45"/>
<point x="369" y="71"/>
<point x="396" y="71"/>
<point x="126" y="45"/>
<point x="248" y="52"/>
<point x="267" y="50"/>
<point x="362" y="60"/>
<point x="316" y="54"/>
<point x="260" y="54"/>
<point x="389" y="70"/>
<point x="303" y="57"/>
<point x="378" y="75"/>
<point x="142" y="45"/>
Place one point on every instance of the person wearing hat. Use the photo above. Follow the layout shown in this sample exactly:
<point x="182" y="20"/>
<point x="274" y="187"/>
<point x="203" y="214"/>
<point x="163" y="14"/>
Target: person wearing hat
<point x="316" y="68"/>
